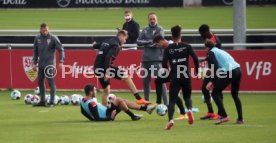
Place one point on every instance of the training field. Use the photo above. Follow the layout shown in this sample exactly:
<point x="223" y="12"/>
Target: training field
<point x="216" y="17"/>
<point x="26" y="124"/>
<point x="20" y="123"/>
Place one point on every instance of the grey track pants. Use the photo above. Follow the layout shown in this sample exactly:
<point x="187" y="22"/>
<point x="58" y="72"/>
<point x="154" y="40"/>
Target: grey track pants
<point x="147" y="74"/>
<point x="42" y="74"/>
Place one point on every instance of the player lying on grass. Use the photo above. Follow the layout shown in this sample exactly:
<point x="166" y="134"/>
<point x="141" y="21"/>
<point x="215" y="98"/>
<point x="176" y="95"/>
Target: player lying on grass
<point x="205" y="33"/>
<point x="176" y="60"/>
<point x="95" y="111"/>
<point x="105" y="70"/>
<point x="225" y="71"/>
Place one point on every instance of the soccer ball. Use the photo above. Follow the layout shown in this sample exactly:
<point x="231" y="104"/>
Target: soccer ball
<point x="75" y="99"/>
<point x="111" y="98"/>
<point x="28" y="98"/>
<point x="56" y="100"/>
<point x="64" y="100"/>
<point x="15" y="95"/>
<point x="37" y="91"/>
<point x="35" y="100"/>
<point x="161" y="109"/>
<point x="47" y="97"/>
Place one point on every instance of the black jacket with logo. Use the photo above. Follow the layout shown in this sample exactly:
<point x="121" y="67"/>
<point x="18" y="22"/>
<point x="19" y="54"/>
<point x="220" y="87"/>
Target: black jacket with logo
<point x="177" y="55"/>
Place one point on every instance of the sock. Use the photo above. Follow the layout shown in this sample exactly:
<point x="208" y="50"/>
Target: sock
<point x="144" y="107"/>
<point x="210" y="108"/>
<point x="130" y="114"/>
<point x="137" y="96"/>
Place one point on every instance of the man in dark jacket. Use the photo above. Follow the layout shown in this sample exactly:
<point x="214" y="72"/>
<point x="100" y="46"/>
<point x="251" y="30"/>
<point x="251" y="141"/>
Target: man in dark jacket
<point x="131" y="26"/>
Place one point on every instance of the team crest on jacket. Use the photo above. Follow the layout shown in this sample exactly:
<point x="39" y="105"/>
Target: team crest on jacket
<point x="28" y="69"/>
<point x="48" y="41"/>
<point x="171" y="51"/>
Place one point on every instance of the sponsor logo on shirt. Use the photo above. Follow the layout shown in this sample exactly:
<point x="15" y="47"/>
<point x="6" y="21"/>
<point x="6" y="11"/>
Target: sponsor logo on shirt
<point x="174" y="61"/>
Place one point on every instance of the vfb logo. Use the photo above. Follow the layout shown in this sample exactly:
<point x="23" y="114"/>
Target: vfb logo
<point x="28" y="68"/>
<point x="261" y="68"/>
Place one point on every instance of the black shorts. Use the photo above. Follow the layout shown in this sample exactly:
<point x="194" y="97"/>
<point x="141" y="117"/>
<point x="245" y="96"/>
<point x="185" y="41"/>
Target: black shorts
<point x="115" y="73"/>
<point x="111" y="109"/>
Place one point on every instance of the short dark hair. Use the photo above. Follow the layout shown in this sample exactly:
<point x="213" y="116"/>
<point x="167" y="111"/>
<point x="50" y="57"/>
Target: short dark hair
<point x="158" y="38"/>
<point x="204" y="28"/>
<point x="176" y="31"/>
<point x="43" y="25"/>
<point x="122" y="32"/>
<point x="88" y="88"/>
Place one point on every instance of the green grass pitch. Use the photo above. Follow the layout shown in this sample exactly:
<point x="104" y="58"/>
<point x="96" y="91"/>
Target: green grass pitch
<point x="20" y="123"/>
<point x="216" y="17"/>
<point x="65" y="124"/>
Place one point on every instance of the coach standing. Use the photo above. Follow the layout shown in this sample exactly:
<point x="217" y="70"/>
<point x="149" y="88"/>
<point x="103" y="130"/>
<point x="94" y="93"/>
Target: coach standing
<point x="131" y="26"/>
<point x="152" y="56"/>
<point x="45" y="46"/>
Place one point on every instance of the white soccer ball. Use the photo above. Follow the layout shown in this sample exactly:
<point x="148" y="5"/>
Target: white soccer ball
<point x="27" y="98"/>
<point x="56" y="100"/>
<point x="75" y="99"/>
<point x="36" y="91"/>
<point x="111" y="98"/>
<point x="35" y="99"/>
<point x="15" y="95"/>
<point x="64" y="100"/>
<point x="47" y="97"/>
<point x="161" y="109"/>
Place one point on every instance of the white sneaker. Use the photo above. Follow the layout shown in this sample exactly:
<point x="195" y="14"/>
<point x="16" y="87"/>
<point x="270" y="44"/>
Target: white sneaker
<point x="150" y="108"/>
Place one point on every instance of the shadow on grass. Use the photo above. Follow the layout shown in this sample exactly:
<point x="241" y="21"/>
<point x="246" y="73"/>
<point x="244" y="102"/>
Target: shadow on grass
<point x="91" y="122"/>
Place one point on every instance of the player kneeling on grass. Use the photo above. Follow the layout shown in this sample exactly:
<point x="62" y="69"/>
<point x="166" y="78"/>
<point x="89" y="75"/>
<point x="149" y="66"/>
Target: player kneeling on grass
<point x="225" y="71"/>
<point x="95" y="111"/>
